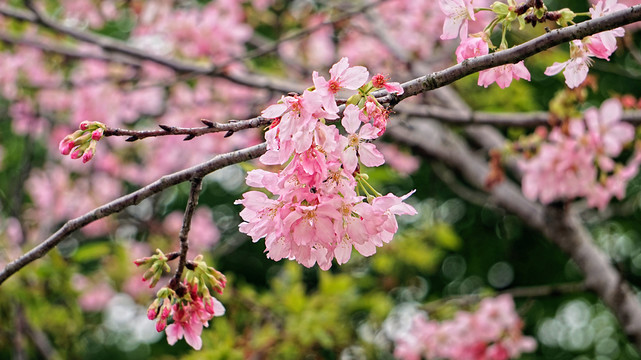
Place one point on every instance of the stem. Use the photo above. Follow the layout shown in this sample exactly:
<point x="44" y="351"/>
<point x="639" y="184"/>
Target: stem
<point x="194" y="193"/>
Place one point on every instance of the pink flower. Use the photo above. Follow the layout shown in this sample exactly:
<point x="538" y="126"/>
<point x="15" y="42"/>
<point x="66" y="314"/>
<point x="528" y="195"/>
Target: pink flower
<point x="380" y="81"/>
<point x="493" y="332"/>
<point x="503" y="75"/>
<point x="353" y="144"/>
<point x="576" y="69"/>
<point x="606" y="131"/>
<point x="342" y="77"/>
<point x="471" y="47"/>
<point x="457" y="13"/>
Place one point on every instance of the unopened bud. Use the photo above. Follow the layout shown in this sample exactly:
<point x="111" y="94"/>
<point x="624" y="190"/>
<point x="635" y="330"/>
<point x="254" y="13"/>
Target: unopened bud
<point x="77" y="154"/>
<point x="97" y="134"/>
<point x="66" y="145"/>
<point x="84" y="125"/>
<point x="152" y="310"/>
<point x="160" y="326"/>
<point x="88" y="155"/>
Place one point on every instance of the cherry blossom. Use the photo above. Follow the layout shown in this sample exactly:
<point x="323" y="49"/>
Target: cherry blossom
<point x="493" y="331"/>
<point x="457" y="13"/>
<point x="342" y="77"/>
<point x="576" y="69"/>
<point x="581" y="162"/>
<point x="503" y="75"/>
<point x="471" y="47"/>
<point x="317" y="215"/>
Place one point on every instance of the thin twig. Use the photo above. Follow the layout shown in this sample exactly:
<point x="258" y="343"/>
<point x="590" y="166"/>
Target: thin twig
<point x="194" y="193"/>
<point x="211" y="127"/>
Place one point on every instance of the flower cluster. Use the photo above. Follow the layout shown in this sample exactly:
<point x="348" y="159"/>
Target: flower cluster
<point x="189" y="303"/>
<point x="600" y="45"/>
<point x="575" y="70"/>
<point x="493" y="332"/>
<point x="580" y="162"/>
<point x="82" y="143"/>
<point x="319" y="212"/>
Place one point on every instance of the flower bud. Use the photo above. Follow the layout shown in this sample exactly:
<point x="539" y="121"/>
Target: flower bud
<point x="77" y="154"/>
<point x="84" y="125"/>
<point x="97" y="134"/>
<point x="152" y="310"/>
<point x="66" y="145"/>
<point x="160" y="326"/>
<point x="88" y="155"/>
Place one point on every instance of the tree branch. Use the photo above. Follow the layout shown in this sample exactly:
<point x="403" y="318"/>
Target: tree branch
<point x="211" y="127"/>
<point x="133" y="198"/>
<point x="514" y="54"/>
<point x="464" y="118"/>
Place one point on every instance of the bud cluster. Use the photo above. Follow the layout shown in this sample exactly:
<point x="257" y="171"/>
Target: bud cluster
<point x="182" y="308"/>
<point x="82" y="143"/>
<point x="157" y="265"/>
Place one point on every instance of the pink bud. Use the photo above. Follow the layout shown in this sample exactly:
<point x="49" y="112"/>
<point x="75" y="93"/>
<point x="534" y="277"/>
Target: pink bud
<point x="209" y="305"/>
<point x="87" y="155"/>
<point x="97" y="134"/>
<point x="160" y="326"/>
<point x="84" y="125"/>
<point x="152" y="311"/>
<point x="65" y="146"/>
<point x="77" y="154"/>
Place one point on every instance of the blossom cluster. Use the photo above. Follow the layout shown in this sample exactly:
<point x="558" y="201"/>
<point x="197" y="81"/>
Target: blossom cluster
<point x="319" y="212"/>
<point x="600" y="45"/>
<point x="493" y="332"/>
<point x="189" y="303"/>
<point x="575" y="70"/>
<point x="581" y="161"/>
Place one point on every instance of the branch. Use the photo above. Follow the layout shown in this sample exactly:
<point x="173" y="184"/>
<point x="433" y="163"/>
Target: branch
<point x="133" y="198"/>
<point x="211" y="127"/>
<point x="464" y="118"/>
<point x="514" y="54"/>
<point x="196" y="187"/>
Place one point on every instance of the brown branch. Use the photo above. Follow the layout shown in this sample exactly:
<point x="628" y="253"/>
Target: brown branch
<point x="133" y="198"/>
<point x="464" y="118"/>
<point x="514" y="54"/>
<point x="194" y="193"/>
<point x="211" y="127"/>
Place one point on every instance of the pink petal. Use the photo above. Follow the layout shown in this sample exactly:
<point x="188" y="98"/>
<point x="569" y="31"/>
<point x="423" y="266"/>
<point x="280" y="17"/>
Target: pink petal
<point x="351" y="120"/>
<point x="274" y="111"/>
<point x="555" y="68"/>
<point x="174" y="333"/>
<point x="339" y="68"/>
<point x="370" y="156"/>
<point x="354" y="77"/>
